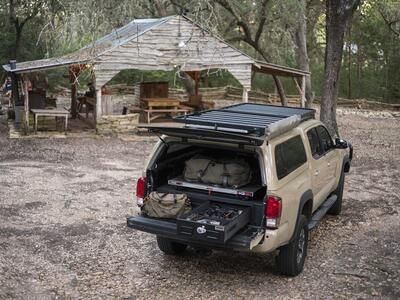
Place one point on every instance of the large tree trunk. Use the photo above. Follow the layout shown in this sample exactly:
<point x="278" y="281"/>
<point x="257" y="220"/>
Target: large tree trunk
<point x="188" y="83"/>
<point x="303" y="61"/>
<point x="15" y="49"/>
<point x="281" y="90"/>
<point x="338" y="14"/>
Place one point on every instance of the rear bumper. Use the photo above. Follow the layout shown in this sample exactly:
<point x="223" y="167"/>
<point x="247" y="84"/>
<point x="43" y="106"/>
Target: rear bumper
<point x="245" y="240"/>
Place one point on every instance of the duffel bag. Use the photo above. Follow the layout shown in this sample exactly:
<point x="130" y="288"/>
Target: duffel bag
<point x="165" y="205"/>
<point x="195" y="168"/>
<point x="228" y="173"/>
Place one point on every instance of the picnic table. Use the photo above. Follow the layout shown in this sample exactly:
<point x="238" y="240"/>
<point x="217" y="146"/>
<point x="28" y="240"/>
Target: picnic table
<point x="50" y="113"/>
<point x="156" y="107"/>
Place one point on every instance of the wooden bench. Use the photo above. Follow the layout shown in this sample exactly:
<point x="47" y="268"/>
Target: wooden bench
<point x="50" y="113"/>
<point x="163" y="111"/>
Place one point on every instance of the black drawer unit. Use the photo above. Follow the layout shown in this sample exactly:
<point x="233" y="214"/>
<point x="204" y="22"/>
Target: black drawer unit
<point x="213" y="221"/>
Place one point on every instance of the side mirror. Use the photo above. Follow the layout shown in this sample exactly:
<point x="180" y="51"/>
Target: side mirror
<point x="341" y="144"/>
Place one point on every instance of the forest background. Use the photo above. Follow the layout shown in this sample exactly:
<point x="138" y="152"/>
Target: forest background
<point x="272" y="30"/>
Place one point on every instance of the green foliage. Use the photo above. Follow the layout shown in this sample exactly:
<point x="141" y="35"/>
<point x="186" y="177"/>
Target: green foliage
<point x="63" y="26"/>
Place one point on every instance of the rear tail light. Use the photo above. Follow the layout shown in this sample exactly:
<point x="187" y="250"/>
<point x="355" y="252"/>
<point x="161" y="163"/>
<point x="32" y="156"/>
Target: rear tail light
<point x="273" y="211"/>
<point x="140" y="190"/>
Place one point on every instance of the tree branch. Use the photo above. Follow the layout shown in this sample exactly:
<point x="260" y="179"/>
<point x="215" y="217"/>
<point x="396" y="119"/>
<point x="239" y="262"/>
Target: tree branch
<point x="263" y="19"/>
<point x="389" y="23"/>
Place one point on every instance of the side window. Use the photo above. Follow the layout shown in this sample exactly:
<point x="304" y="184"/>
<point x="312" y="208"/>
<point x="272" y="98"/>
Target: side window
<point x="325" y="139"/>
<point x="314" y="143"/>
<point x="289" y="156"/>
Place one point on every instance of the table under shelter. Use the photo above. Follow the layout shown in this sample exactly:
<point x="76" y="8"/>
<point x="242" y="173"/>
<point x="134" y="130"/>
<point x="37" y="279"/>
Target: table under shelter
<point x="63" y="113"/>
<point x="173" y="43"/>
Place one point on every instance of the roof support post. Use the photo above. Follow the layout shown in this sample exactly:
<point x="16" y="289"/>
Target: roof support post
<point x="98" y="104"/>
<point x="26" y="104"/>
<point x="303" y="91"/>
<point x="245" y="96"/>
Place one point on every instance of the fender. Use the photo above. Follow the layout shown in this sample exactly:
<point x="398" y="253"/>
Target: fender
<point x="307" y="196"/>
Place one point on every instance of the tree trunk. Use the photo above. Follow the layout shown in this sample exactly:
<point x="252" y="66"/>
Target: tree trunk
<point x="74" y="93"/>
<point x="188" y="83"/>
<point x="349" y="83"/>
<point x="15" y="49"/>
<point x="278" y="82"/>
<point x="303" y="61"/>
<point x="338" y="14"/>
<point x="280" y="90"/>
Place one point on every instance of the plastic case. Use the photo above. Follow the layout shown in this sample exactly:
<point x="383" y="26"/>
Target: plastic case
<point x="218" y="227"/>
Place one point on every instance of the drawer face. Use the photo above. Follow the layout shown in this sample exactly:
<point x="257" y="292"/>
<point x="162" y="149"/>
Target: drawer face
<point x="213" y="221"/>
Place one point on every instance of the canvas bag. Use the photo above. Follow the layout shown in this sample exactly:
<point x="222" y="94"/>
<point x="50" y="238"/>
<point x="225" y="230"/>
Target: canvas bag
<point x="165" y="205"/>
<point x="195" y="168"/>
<point x="228" y="173"/>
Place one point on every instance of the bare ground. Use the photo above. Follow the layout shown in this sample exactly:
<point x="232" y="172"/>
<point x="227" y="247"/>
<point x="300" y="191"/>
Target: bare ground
<point x="64" y="202"/>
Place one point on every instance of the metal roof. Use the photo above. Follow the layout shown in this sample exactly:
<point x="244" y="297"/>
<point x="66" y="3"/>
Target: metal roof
<point x="112" y="40"/>
<point x="124" y="34"/>
<point x="269" y="68"/>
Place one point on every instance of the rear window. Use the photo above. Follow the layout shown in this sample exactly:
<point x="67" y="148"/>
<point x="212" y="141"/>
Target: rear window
<point x="289" y="156"/>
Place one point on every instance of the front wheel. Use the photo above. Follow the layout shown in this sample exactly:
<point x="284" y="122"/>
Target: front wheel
<point x="290" y="260"/>
<point x="170" y="247"/>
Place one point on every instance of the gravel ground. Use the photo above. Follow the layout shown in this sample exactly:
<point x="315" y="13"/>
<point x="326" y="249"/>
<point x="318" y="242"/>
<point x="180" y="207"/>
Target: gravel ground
<point x="64" y="202"/>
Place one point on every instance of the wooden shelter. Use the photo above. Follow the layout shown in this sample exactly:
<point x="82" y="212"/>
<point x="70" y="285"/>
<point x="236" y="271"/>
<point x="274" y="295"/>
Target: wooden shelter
<point x="173" y="43"/>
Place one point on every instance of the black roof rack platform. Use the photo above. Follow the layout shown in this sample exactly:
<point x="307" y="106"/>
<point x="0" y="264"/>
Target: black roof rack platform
<point x="248" y="118"/>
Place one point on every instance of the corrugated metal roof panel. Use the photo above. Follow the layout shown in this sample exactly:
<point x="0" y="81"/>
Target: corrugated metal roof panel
<point x="118" y="37"/>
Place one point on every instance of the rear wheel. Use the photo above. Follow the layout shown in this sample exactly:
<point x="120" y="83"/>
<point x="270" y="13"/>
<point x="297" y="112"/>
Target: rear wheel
<point x="170" y="247"/>
<point x="337" y="207"/>
<point x="290" y="260"/>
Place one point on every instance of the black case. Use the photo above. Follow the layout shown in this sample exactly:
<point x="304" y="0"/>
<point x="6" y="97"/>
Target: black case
<point x="214" y="233"/>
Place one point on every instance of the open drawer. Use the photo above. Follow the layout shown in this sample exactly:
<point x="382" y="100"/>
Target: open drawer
<point x="245" y="240"/>
<point x="213" y="221"/>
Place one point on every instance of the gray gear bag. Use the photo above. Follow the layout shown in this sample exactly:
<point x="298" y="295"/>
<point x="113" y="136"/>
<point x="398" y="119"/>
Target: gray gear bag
<point x="227" y="172"/>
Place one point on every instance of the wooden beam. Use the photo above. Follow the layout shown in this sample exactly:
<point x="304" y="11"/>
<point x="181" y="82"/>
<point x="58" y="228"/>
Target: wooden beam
<point x="245" y="96"/>
<point x="98" y="107"/>
<point x="26" y="104"/>
<point x="303" y="91"/>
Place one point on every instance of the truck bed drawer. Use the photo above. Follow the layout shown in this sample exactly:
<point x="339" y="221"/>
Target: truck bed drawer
<point x="213" y="221"/>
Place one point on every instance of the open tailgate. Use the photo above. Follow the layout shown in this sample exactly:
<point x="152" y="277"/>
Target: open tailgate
<point x="246" y="239"/>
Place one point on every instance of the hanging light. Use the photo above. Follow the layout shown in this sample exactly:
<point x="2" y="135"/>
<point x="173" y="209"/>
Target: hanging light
<point x="181" y="43"/>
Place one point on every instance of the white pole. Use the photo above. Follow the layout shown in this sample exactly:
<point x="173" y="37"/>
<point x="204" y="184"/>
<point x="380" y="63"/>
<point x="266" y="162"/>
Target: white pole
<point x="98" y="104"/>
<point x="245" y="96"/>
<point x="26" y="102"/>
<point x="303" y="91"/>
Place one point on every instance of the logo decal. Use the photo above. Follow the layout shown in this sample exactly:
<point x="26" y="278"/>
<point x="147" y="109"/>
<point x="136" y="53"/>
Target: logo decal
<point x="201" y="230"/>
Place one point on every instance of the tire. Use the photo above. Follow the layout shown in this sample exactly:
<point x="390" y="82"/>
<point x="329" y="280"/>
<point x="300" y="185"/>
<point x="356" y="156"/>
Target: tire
<point x="291" y="257"/>
<point x="337" y="207"/>
<point x="170" y="247"/>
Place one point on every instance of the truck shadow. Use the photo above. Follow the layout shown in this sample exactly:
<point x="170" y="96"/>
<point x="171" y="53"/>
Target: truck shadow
<point x="224" y="262"/>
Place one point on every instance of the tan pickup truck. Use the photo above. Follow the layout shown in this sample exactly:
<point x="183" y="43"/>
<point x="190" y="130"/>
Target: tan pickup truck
<point x="298" y="173"/>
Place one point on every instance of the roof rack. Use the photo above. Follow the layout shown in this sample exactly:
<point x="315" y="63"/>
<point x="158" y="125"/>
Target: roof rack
<point x="249" y="119"/>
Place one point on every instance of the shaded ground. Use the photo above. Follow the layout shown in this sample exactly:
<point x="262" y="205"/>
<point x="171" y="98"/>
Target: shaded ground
<point x="63" y="204"/>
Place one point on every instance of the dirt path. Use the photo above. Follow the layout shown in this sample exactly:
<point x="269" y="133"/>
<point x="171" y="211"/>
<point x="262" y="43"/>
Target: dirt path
<point x="63" y="205"/>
